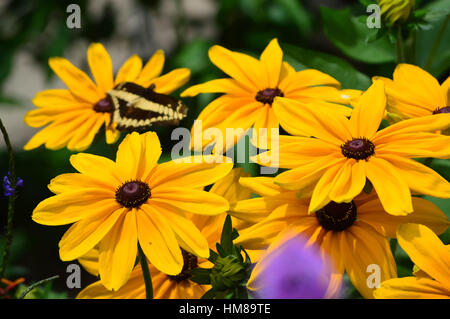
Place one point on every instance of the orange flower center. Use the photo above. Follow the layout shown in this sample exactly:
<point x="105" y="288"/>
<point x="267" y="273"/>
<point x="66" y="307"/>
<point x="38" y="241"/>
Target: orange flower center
<point x="133" y="194"/>
<point x="337" y="216"/>
<point x="445" y="109"/>
<point x="358" y="148"/>
<point x="189" y="262"/>
<point x="104" y="105"/>
<point x="266" y="96"/>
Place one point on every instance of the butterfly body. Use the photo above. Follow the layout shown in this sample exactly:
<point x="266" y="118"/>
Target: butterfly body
<point x="137" y="108"/>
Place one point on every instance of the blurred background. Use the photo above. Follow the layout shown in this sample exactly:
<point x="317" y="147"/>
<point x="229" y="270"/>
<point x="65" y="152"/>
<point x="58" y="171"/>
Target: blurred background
<point x="33" y="31"/>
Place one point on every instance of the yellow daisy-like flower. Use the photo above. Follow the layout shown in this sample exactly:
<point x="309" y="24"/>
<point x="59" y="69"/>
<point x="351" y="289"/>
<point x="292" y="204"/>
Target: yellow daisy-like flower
<point x="343" y="153"/>
<point x="432" y="263"/>
<point x="413" y="92"/>
<point x="76" y="114"/>
<point x="396" y="10"/>
<point x="117" y="204"/>
<point x="173" y="287"/>
<point x="249" y="93"/>
<point x="353" y="235"/>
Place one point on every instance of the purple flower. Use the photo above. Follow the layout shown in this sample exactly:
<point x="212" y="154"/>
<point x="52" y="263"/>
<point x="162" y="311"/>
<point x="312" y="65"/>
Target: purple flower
<point x="293" y="271"/>
<point x="9" y="191"/>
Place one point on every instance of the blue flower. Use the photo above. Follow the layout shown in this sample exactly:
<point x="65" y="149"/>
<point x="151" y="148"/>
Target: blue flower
<point x="294" y="271"/>
<point x="9" y="191"/>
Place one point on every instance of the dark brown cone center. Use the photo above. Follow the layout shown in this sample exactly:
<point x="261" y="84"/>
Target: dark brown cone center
<point x="441" y="110"/>
<point x="337" y="216"/>
<point x="105" y="105"/>
<point x="133" y="194"/>
<point x="266" y="96"/>
<point x="189" y="262"/>
<point x="358" y="148"/>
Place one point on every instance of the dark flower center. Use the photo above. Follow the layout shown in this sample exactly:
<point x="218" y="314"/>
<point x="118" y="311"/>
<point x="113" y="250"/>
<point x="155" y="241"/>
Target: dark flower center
<point x="189" y="262"/>
<point x="266" y="96"/>
<point x="133" y="194"/>
<point x="104" y="105"/>
<point x="337" y="216"/>
<point x="358" y="148"/>
<point x="445" y="109"/>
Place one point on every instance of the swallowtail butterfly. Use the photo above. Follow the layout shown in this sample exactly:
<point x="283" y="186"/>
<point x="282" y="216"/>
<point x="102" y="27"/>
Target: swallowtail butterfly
<point x="136" y="108"/>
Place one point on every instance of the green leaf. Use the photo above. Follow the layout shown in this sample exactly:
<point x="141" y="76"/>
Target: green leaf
<point x="212" y="256"/>
<point x="349" y="77"/>
<point x="442" y="167"/>
<point x="209" y="294"/>
<point x="226" y="240"/>
<point x="349" y="35"/>
<point x="201" y="276"/>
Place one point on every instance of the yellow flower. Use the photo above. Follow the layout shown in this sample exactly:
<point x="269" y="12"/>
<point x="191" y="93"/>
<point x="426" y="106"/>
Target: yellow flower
<point x="396" y="10"/>
<point x="343" y="153"/>
<point x="117" y="204"/>
<point x="76" y="114"/>
<point x="353" y="235"/>
<point x="249" y="93"/>
<point x="173" y="287"/>
<point x="414" y="92"/>
<point x="431" y="256"/>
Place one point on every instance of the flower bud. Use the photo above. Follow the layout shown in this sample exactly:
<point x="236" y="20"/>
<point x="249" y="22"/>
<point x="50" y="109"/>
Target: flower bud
<point x="395" y="10"/>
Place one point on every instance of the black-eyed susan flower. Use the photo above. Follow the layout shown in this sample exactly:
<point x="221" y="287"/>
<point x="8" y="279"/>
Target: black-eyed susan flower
<point x="341" y="154"/>
<point x="117" y="204"/>
<point x="353" y="235"/>
<point x="395" y="10"/>
<point x="249" y="93"/>
<point x="179" y="286"/>
<point x="432" y="267"/>
<point x="413" y="92"/>
<point x="74" y="116"/>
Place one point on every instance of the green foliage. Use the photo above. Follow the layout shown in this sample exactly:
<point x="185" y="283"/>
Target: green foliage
<point x="349" y="34"/>
<point x="230" y="272"/>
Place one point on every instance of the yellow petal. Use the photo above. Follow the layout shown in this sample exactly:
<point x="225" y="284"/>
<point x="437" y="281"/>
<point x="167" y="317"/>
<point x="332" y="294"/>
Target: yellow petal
<point x="130" y="70"/>
<point x="331" y="253"/>
<point x="368" y="111"/>
<point x="85" y="134"/>
<point x="187" y="234"/>
<point x="84" y="235"/>
<point x="411" y="288"/>
<point x="75" y="181"/>
<point x="261" y="185"/>
<point x="425" y="213"/>
<point x="171" y="81"/>
<point x="365" y="247"/>
<point x="118" y="250"/>
<point x="89" y="261"/>
<point x="229" y="86"/>
<point x="79" y="84"/>
<point x="419" y="177"/>
<point x="101" y="66"/>
<point x="158" y="241"/>
<point x="426" y="250"/>
<point x="314" y="122"/>
<point x="190" y="200"/>
<point x="272" y="59"/>
<point x="90" y="165"/>
<point x="307" y="78"/>
<point x="349" y="182"/>
<point x="195" y="172"/>
<point x="73" y="206"/>
<point x="152" y="69"/>
<point x="391" y="188"/>
<point x="243" y="68"/>
<point x="229" y="188"/>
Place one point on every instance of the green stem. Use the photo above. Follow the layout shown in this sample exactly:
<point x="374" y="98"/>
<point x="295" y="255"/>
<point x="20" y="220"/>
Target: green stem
<point x="146" y="273"/>
<point x="436" y="43"/>
<point x="26" y="291"/>
<point x="400" y="46"/>
<point x="11" y="201"/>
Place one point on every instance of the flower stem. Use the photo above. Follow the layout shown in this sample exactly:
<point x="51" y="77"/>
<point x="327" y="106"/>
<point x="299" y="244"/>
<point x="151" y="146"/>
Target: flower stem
<point x="11" y="201"/>
<point x="40" y="282"/>
<point x="400" y="46"/>
<point x="436" y="43"/>
<point x="146" y="273"/>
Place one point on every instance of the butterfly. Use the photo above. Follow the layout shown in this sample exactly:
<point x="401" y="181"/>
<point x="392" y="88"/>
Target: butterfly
<point x="136" y="108"/>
